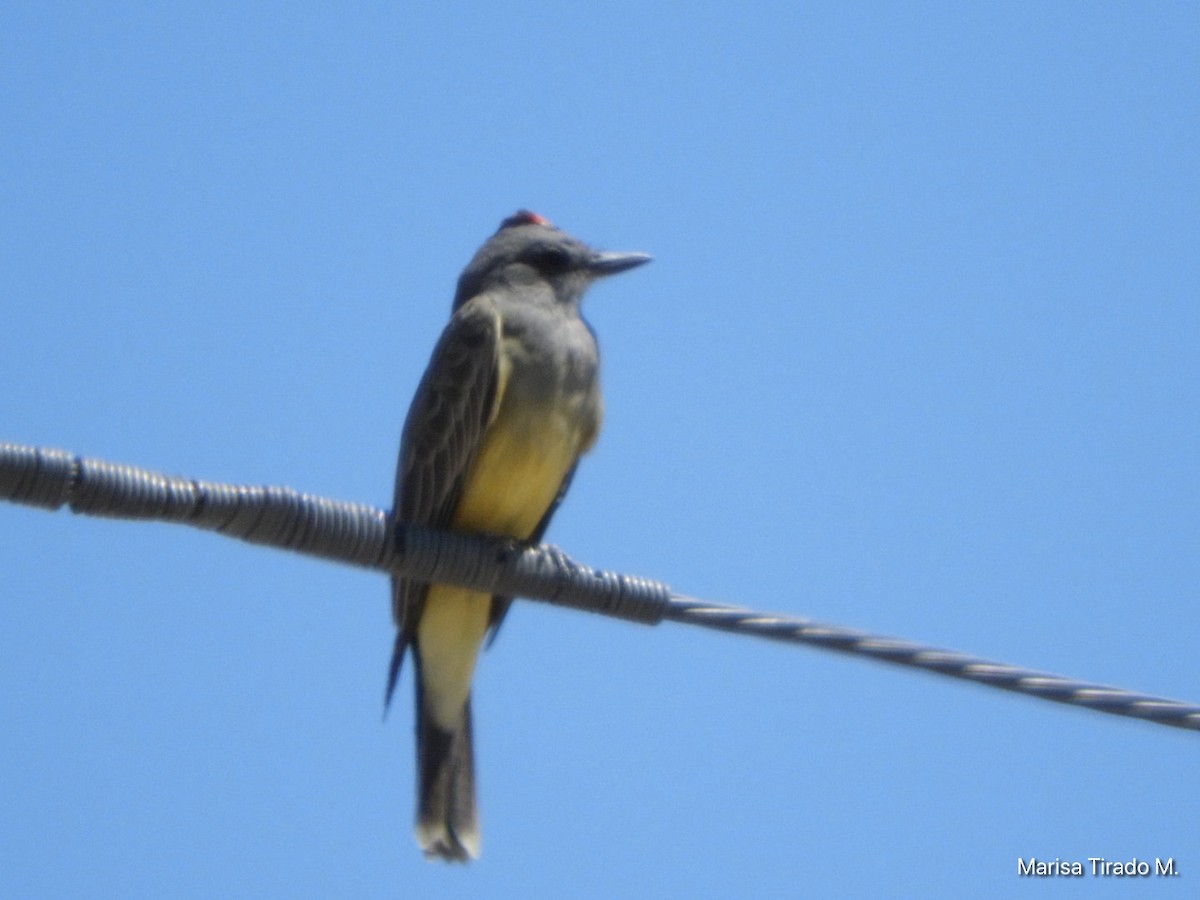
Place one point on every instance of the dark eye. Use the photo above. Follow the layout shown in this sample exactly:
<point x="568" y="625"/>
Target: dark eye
<point x="550" y="259"/>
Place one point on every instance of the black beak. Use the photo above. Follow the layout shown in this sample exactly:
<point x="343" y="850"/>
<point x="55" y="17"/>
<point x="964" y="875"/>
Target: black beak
<point x="611" y="263"/>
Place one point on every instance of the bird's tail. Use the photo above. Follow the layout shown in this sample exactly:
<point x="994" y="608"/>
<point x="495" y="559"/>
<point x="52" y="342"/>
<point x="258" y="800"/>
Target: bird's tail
<point x="447" y="820"/>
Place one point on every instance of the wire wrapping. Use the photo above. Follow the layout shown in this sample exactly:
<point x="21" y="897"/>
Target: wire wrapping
<point x="363" y="535"/>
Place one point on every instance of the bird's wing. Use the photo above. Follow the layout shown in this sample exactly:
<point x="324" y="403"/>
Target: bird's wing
<point x="455" y="402"/>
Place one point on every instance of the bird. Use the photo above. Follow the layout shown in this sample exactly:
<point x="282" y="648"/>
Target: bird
<point x="509" y="402"/>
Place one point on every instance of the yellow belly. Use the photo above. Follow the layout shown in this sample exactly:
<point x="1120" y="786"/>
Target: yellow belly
<point x="525" y="456"/>
<point x="520" y="468"/>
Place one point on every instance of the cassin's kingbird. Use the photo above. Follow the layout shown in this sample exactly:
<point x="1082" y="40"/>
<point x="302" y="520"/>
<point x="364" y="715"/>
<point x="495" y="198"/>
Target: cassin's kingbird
<point x="509" y="402"/>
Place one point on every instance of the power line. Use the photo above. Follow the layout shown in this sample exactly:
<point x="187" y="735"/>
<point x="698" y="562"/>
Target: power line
<point x="363" y="535"/>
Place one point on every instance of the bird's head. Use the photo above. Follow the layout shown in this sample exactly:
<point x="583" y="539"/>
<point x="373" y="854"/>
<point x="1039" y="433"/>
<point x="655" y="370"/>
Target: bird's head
<point x="528" y="251"/>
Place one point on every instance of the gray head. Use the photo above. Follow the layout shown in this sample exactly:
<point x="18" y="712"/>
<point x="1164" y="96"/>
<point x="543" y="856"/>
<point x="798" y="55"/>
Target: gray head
<point x="527" y="251"/>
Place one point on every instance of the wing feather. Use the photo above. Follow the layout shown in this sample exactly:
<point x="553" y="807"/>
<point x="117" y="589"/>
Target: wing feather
<point x="456" y="400"/>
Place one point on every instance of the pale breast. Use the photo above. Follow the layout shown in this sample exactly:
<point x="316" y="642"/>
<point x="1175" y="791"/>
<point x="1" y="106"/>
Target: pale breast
<point x="549" y="414"/>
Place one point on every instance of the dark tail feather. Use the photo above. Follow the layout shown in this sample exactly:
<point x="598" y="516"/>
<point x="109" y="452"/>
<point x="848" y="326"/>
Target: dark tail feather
<point x="447" y="821"/>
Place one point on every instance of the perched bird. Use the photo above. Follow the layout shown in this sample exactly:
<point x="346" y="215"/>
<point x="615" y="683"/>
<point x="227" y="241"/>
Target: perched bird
<point x="509" y="402"/>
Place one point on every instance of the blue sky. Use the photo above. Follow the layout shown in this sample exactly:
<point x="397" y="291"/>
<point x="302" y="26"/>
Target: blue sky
<point x="917" y="354"/>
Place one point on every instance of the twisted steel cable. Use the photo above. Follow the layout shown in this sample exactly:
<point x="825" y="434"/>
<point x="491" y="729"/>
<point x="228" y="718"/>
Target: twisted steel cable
<point x="363" y="535"/>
